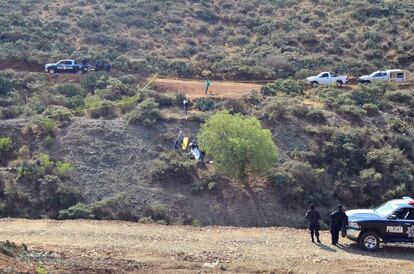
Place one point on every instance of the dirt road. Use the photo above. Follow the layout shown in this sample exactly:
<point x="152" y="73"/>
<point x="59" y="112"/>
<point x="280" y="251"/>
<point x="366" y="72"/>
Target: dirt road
<point x="196" y="88"/>
<point x="121" y="247"/>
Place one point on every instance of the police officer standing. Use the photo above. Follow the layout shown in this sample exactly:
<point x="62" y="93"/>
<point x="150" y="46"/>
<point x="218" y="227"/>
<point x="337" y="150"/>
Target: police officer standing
<point x="313" y="216"/>
<point x="338" y="221"/>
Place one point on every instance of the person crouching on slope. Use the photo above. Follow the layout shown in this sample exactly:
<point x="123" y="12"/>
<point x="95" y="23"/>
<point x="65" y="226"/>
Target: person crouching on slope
<point x="313" y="216"/>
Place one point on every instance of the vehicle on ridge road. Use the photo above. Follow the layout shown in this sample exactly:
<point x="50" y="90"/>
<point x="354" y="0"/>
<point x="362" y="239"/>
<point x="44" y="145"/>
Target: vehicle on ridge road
<point x="327" y="78"/>
<point x="396" y="75"/>
<point x="68" y="66"/>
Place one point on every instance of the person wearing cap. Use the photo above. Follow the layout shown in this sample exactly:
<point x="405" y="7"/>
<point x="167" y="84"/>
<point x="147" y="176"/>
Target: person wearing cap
<point x="313" y="216"/>
<point x="338" y="220"/>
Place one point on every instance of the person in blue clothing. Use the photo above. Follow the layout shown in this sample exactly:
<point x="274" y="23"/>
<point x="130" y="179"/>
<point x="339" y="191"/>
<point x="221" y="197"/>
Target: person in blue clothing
<point x="208" y="84"/>
<point x="338" y="220"/>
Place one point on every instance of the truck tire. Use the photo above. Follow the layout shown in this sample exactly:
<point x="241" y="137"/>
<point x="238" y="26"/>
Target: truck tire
<point x="339" y="83"/>
<point x="51" y="71"/>
<point x="314" y="84"/>
<point x="369" y="241"/>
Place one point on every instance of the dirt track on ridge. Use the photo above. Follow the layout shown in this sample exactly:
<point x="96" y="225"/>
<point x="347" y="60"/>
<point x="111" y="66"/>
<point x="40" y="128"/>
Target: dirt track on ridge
<point x="121" y="247"/>
<point x="196" y="88"/>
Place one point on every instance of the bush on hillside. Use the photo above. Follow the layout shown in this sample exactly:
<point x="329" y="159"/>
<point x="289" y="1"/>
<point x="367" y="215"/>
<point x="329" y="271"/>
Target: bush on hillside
<point x="6" y="149"/>
<point x="5" y="86"/>
<point x="78" y="211"/>
<point x="238" y="144"/>
<point x="146" y="112"/>
<point x="69" y="90"/>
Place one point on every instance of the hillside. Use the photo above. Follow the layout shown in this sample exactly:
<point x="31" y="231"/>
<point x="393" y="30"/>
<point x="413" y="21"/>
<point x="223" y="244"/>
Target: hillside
<point x="120" y="247"/>
<point x="100" y="145"/>
<point x="257" y="39"/>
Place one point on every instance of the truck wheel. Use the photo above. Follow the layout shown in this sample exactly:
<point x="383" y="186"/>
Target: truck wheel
<point x="369" y="241"/>
<point x="339" y="84"/>
<point x="51" y="70"/>
<point x="314" y="84"/>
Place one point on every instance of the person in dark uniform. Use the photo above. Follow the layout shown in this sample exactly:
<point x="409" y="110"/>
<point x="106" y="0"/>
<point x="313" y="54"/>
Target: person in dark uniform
<point x="338" y="220"/>
<point x="313" y="216"/>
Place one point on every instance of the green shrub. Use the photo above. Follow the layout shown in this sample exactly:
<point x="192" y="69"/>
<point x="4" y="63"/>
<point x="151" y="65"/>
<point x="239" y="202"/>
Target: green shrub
<point x="205" y="104"/>
<point x="173" y="165"/>
<point x="76" y="102"/>
<point x="157" y="212"/>
<point x="5" y="86"/>
<point x="238" y="144"/>
<point x="47" y="126"/>
<point x="371" y="109"/>
<point x="27" y="171"/>
<point x="399" y="126"/>
<point x="316" y="116"/>
<point x="254" y="98"/>
<point x="278" y="108"/>
<point x="97" y="107"/>
<point x="288" y="86"/>
<point x="352" y="112"/>
<point x="400" y="96"/>
<point x="78" y="211"/>
<point x="300" y="183"/>
<point x="119" y="207"/>
<point x="94" y="80"/>
<point x="6" y="149"/>
<point x="179" y="98"/>
<point x="146" y="112"/>
<point x="69" y="90"/>
<point x="63" y="168"/>
<point x="45" y="164"/>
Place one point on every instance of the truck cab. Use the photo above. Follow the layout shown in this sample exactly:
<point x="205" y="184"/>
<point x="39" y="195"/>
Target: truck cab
<point x="392" y="222"/>
<point x="327" y="78"/>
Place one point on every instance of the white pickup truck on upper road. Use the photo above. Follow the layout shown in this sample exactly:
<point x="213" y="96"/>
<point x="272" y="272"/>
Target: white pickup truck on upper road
<point x="396" y="75"/>
<point x="327" y="78"/>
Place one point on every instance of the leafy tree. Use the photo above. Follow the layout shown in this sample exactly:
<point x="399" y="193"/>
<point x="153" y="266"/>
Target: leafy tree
<point x="238" y="144"/>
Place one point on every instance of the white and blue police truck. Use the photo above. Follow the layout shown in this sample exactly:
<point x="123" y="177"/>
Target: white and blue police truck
<point x="392" y="222"/>
<point x="65" y="66"/>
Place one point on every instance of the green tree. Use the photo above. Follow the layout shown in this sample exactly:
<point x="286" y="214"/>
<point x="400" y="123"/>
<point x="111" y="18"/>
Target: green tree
<point x="238" y="144"/>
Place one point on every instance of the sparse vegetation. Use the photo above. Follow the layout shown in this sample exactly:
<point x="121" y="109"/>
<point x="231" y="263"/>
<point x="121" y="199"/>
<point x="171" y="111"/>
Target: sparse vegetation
<point x="353" y="146"/>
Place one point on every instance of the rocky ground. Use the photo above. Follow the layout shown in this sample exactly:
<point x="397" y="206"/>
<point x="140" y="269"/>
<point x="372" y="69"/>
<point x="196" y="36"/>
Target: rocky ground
<point x="121" y="247"/>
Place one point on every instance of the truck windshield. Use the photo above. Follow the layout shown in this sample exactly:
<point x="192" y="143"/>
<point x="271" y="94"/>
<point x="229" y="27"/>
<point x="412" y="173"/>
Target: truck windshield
<point x="384" y="210"/>
<point x="374" y="74"/>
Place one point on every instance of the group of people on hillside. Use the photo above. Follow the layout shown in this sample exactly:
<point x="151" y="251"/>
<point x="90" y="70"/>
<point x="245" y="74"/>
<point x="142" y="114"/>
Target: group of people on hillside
<point x="338" y="220"/>
<point x="186" y="100"/>
<point x="99" y="65"/>
<point x="181" y="143"/>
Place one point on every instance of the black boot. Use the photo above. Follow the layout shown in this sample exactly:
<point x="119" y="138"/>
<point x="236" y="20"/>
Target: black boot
<point x="312" y="239"/>
<point x="317" y="238"/>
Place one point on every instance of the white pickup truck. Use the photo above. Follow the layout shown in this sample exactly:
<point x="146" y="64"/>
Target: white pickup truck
<point x="327" y="78"/>
<point x="396" y="75"/>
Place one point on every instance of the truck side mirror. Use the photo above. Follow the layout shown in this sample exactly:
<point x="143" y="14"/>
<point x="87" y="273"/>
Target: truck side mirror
<point x="392" y="217"/>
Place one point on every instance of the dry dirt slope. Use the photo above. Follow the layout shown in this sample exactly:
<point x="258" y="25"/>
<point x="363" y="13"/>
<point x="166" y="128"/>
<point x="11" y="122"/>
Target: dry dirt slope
<point x="120" y="247"/>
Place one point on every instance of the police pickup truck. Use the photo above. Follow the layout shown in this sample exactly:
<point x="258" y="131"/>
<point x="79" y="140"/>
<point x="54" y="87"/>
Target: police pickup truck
<point x="392" y="222"/>
<point x="68" y="66"/>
